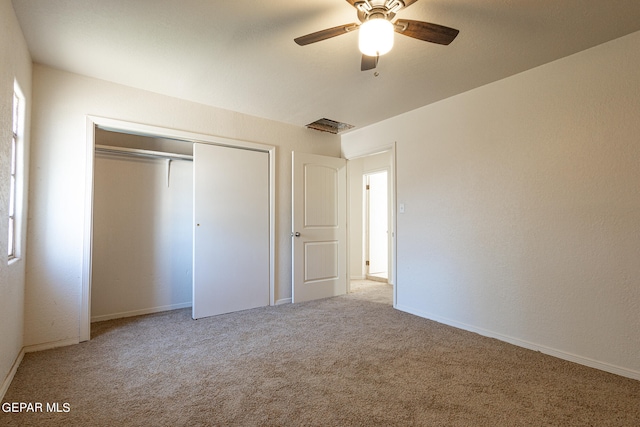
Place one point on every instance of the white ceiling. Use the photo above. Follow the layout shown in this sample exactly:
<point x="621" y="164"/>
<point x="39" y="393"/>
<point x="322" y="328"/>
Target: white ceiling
<point x="240" y="55"/>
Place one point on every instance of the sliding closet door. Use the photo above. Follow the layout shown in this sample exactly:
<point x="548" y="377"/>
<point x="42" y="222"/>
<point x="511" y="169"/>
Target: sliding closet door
<point x="231" y="230"/>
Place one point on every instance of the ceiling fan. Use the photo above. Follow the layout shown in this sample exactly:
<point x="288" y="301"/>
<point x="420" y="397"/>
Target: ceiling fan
<point x="376" y="29"/>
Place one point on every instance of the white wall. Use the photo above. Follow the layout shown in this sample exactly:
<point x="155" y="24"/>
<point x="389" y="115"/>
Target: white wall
<point x="142" y="232"/>
<point x="358" y="167"/>
<point x="61" y="101"/>
<point x="15" y="65"/>
<point x="523" y="207"/>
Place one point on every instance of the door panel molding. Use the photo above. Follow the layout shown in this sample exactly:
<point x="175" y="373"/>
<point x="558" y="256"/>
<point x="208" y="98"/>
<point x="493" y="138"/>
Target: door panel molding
<point x="321" y="271"/>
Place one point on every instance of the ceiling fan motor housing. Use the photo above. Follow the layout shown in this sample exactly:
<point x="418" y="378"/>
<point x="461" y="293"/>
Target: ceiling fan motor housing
<point x="375" y="9"/>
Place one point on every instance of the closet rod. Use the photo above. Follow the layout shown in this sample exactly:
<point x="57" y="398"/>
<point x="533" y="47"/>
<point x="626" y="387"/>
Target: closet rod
<point x="144" y="153"/>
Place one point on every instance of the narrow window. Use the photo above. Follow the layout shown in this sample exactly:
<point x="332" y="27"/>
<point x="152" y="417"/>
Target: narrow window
<point x="13" y="175"/>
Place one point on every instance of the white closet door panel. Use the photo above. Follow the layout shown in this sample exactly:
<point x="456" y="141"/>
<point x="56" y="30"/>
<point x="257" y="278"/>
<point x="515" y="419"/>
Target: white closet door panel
<point x="231" y="230"/>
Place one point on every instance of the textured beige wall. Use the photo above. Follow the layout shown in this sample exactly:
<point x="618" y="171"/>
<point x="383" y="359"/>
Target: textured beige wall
<point x="61" y="103"/>
<point x="15" y="64"/>
<point x="523" y="207"/>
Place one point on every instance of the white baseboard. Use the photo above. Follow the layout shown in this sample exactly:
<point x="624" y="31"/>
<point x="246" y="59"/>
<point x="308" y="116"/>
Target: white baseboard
<point x="50" y="345"/>
<point x="150" y="310"/>
<point x="12" y="373"/>
<point x="30" y="349"/>
<point x="283" y="301"/>
<point x="603" y="366"/>
<point x="377" y="279"/>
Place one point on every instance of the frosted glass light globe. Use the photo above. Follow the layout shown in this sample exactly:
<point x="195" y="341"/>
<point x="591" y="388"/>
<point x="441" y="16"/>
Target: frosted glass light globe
<point x="376" y="37"/>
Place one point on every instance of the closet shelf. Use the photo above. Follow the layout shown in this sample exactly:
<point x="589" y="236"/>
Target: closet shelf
<point x="143" y="153"/>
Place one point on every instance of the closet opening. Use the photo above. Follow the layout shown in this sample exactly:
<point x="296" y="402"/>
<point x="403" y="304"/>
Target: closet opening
<point x="145" y="194"/>
<point x="142" y="225"/>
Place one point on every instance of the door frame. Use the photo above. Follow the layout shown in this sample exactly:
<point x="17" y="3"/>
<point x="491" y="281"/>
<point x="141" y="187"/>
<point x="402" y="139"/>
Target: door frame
<point x="391" y="177"/>
<point x="92" y="122"/>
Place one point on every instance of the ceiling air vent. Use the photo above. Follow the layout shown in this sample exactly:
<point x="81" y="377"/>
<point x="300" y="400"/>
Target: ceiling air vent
<point x="331" y="126"/>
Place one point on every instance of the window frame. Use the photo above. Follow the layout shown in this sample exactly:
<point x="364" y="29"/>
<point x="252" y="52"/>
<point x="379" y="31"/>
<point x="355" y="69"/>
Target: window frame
<point x="15" y="178"/>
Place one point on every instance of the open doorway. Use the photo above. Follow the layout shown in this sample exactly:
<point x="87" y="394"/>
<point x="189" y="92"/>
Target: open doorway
<point x="371" y="221"/>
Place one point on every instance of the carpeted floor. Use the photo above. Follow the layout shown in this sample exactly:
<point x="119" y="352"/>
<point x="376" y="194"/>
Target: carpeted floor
<point x="345" y="361"/>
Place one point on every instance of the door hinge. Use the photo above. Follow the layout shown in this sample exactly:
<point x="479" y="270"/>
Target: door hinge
<point x="366" y="263"/>
<point x="368" y="186"/>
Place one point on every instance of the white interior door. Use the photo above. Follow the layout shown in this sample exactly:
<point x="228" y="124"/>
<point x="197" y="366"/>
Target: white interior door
<point x="319" y="227"/>
<point x="231" y="229"/>
<point x="378" y="225"/>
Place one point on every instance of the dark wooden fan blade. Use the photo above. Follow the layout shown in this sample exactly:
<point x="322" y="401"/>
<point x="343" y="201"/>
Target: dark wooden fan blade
<point x="368" y="62"/>
<point x="426" y="31"/>
<point x="325" y="34"/>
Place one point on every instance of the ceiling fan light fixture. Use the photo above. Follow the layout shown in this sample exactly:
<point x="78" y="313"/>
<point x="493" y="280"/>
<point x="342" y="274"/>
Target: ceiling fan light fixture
<point x="376" y="37"/>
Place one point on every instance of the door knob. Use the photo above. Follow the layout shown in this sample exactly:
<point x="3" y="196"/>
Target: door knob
<point x="296" y="234"/>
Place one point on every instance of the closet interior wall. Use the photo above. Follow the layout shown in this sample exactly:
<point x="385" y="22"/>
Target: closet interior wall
<point x="142" y="227"/>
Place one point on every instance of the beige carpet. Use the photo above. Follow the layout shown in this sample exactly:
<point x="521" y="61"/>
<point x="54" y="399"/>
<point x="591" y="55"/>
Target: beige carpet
<point x="346" y="361"/>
